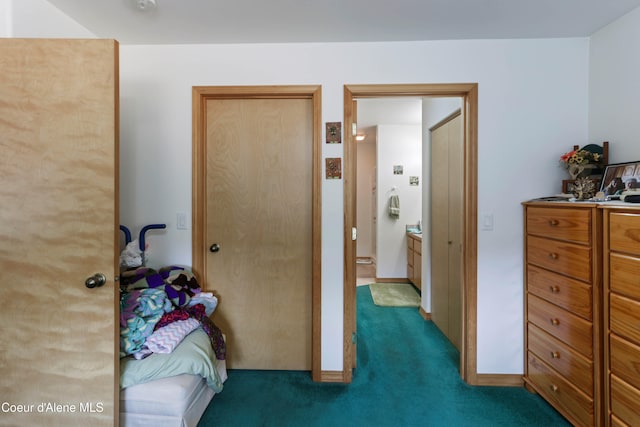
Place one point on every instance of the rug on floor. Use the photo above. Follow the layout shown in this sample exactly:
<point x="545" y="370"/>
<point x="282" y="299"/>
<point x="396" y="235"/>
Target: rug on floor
<point x="394" y="295"/>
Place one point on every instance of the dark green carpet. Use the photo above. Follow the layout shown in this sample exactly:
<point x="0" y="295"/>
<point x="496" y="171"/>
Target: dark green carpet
<point x="407" y="375"/>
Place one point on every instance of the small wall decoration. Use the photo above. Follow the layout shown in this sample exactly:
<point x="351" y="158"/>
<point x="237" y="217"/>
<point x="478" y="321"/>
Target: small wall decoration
<point x="397" y="170"/>
<point x="334" y="132"/>
<point x="414" y="180"/>
<point x="333" y="167"/>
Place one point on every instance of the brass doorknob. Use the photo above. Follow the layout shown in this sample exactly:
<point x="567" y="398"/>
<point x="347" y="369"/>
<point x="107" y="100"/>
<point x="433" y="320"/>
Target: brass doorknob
<point x="95" y="281"/>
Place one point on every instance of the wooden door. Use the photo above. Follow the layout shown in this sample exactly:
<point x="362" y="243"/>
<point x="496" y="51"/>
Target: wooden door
<point x="259" y="183"/>
<point x="439" y="227"/>
<point x="456" y="168"/>
<point x="446" y="227"/>
<point x="58" y="226"/>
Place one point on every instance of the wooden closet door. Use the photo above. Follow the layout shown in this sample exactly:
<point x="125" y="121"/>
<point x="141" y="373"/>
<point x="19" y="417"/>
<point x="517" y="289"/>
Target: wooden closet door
<point x="440" y="228"/>
<point x="446" y="227"/>
<point x="259" y="213"/>
<point x="58" y="226"/>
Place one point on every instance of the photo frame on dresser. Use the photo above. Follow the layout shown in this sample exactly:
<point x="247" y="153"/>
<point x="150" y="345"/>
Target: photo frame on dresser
<point x="618" y="177"/>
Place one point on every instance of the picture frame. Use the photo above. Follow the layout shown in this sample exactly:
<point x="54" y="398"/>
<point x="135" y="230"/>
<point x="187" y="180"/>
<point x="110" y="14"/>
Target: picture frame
<point x="618" y="177"/>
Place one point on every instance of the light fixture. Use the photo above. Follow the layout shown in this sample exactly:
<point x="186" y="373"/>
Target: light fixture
<point x="360" y="137"/>
<point x="145" y="4"/>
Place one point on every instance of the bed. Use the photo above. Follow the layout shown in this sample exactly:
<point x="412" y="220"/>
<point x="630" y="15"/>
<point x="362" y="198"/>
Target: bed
<point x="172" y="354"/>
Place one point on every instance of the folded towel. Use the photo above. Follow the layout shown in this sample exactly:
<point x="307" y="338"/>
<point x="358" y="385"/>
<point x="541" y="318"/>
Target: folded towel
<point x="394" y="206"/>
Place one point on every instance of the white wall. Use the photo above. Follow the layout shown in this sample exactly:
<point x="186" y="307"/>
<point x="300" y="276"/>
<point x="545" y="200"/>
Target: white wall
<point x="532" y="106"/>
<point x="39" y="18"/>
<point x="614" y="87"/>
<point x="366" y="180"/>
<point x="397" y="145"/>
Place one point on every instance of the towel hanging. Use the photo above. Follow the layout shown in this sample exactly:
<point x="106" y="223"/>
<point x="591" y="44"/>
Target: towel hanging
<point x="394" y="206"/>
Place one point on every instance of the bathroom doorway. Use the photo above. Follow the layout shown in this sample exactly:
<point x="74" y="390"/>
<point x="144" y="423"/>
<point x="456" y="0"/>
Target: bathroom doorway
<point x="468" y="94"/>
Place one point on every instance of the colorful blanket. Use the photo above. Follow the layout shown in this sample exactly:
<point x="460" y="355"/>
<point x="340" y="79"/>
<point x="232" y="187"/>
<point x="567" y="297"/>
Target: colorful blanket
<point x="140" y="310"/>
<point x="178" y="283"/>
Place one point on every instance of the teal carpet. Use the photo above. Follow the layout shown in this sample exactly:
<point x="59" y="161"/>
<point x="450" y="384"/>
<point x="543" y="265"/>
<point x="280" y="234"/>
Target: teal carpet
<point x="407" y="375"/>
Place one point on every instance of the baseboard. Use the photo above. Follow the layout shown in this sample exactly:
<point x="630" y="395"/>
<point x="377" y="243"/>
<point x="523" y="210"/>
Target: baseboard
<point x="332" y="377"/>
<point x="499" y="380"/>
<point x="392" y="280"/>
<point x="424" y="314"/>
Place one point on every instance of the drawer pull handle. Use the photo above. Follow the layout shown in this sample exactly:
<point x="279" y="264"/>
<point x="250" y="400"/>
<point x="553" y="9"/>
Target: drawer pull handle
<point x="553" y="387"/>
<point x="555" y="355"/>
<point x="553" y="222"/>
<point x="553" y="255"/>
<point x="555" y="322"/>
<point x="554" y="289"/>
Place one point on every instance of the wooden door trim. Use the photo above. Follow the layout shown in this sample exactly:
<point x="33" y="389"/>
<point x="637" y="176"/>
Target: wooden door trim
<point x="469" y="94"/>
<point x="200" y="96"/>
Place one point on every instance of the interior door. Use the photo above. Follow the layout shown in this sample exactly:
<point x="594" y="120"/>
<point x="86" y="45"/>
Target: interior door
<point x="446" y="227"/>
<point x="58" y="227"/>
<point x="259" y="228"/>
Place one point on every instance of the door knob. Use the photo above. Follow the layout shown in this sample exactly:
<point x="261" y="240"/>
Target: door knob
<point x="95" y="281"/>
<point x="214" y="248"/>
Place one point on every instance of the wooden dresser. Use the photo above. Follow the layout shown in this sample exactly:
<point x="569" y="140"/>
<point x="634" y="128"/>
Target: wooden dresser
<point x="622" y="315"/>
<point x="414" y="259"/>
<point x="562" y="307"/>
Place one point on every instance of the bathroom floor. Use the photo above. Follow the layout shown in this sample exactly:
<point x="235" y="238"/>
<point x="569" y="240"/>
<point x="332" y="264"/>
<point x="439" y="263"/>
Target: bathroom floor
<point x="365" y="272"/>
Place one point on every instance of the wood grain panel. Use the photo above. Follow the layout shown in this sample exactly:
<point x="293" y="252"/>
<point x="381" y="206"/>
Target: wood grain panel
<point x="624" y="232"/>
<point x="572" y="403"/>
<point x="562" y="257"/>
<point x="624" y="274"/>
<point x="259" y="210"/>
<point x="625" y="360"/>
<point x="572" y="295"/>
<point x="563" y="224"/>
<point x="568" y="362"/>
<point x="58" y="121"/>
<point x="625" y="402"/>
<point x="623" y="314"/>
<point x="571" y="329"/>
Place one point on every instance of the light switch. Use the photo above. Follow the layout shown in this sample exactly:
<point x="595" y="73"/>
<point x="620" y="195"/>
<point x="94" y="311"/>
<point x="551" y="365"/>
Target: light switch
<point x="181" y="222"/>
<point x="487" y="222"/>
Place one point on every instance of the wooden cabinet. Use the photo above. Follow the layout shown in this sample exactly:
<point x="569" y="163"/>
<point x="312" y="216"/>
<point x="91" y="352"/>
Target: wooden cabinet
<point x="563" y="309"/>
<point x="414" y="260"/>
<point x="622" y="316"/>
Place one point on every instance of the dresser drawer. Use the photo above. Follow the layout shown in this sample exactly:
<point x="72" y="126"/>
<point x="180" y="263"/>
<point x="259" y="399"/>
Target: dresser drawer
<point x="625" y="360"/>
<point x="562" y="257"/>
<point x="576" y="368"/>
<point x="625" y="402"/>
<point x="624" y="273"/>
<point x="567" y="293"/>
<point x="567" y="327"/>
<point x="624" y="232"/>
<point x="560" y="223"/>
<point x="624" y="317"/>
<point x="563" y="396"/>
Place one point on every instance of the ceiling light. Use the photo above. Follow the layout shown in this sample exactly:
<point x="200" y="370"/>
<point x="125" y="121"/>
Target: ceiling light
<point x="145" y="4"/>
<point x="360" y="137"/>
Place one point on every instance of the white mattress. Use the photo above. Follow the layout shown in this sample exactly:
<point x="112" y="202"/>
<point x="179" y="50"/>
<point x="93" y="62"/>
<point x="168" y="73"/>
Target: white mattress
<point x="176" y="401"/>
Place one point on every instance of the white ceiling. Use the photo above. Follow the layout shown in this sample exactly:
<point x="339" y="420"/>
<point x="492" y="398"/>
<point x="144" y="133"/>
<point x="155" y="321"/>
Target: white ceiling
<point x="283" y="21"/>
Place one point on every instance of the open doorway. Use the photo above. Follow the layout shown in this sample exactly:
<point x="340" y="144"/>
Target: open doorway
<point x="468" y="94"/>
<point x="389" y="163"/>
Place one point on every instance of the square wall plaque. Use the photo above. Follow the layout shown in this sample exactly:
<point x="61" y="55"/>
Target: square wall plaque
<point x="334" y="132"/>
<point x="333" y="167"/>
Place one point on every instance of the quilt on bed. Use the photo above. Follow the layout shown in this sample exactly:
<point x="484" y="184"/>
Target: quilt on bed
<point x="165" y="329"/>
<point x="194" y="355"/>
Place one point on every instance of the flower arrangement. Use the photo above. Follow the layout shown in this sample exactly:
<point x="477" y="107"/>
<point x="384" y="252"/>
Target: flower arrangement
<point x="580" y="157"/>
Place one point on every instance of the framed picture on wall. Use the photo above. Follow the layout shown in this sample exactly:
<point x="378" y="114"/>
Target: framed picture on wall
<point x="618" y="177"/>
